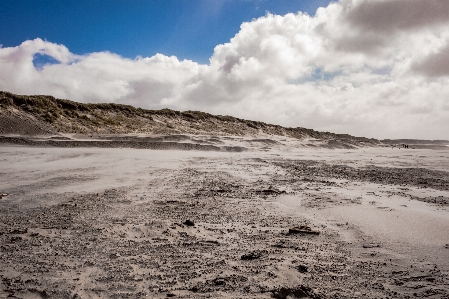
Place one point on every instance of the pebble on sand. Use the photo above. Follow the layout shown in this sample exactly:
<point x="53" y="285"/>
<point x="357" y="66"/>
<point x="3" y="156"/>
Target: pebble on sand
<point x="189" y="223"/>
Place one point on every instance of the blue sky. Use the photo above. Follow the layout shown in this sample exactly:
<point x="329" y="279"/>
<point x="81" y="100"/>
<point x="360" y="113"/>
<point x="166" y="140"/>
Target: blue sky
<point x="184" y="28"/>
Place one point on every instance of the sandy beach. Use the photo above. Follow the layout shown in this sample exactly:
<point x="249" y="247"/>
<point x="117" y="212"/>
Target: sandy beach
<point x="277" y="219"/>
<point x="224" y="149"/>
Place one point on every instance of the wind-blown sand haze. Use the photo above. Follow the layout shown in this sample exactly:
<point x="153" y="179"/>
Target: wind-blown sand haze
<point x="129" y="223"/>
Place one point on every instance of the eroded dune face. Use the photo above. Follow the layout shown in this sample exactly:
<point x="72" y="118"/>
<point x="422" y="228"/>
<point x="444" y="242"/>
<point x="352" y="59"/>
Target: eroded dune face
<point x="278" y="219"/>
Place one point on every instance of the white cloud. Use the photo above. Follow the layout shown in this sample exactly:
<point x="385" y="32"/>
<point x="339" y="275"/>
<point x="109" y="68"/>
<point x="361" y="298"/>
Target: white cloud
<point x="367" y="68"/>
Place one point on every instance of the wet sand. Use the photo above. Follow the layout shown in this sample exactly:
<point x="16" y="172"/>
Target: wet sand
<point x="137" y="223"/>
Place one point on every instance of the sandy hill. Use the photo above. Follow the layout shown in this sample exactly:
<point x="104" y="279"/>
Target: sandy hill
<point x="46" y="115"/>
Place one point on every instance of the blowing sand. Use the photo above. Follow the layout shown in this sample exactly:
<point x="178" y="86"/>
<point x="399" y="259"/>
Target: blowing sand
<point x="138" y="223"/>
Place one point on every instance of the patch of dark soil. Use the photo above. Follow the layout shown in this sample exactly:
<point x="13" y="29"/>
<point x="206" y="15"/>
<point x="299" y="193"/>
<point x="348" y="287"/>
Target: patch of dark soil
<point x="253" y="255"/>
<point x="420" y="177"/>
<point x="132" y="143"/>
<point x="223" y="283"/>
<point x="438" y="200"/>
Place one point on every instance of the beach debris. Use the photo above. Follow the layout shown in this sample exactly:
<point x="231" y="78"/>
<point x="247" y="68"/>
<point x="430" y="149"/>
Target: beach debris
<point x="271" y="191"/>
<point x="226" y="283"/>
<point x="303" y="229"/>
<point x="114" y="255"/>
<point x="189" y="222"/>
<point x="253" y="255"/>
<point x="447" y="246"/>
<point x="300" y="292"/>
<point x="302" y="268"/>
<point x="19" y="231"/>
<point x="15" y="239"/>
<point x="219" y="281"/>
<point x="371" y="245"/>
<point x="3" y="195"/>
<point x="208" y="242"/>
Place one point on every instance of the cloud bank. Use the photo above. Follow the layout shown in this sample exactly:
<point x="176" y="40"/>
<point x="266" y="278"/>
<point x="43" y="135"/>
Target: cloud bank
<point x="368" y="68"/>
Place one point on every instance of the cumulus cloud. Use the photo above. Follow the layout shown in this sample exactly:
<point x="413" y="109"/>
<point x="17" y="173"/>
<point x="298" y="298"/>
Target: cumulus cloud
<point x="435" y="64"/>
<point x="374" y="68"/>
<point x="96" y="77"/>
<point x="387" y="17"/>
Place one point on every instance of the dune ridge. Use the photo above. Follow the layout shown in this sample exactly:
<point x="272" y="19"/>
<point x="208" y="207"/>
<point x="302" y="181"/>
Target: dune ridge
<point x="47" y="115"/>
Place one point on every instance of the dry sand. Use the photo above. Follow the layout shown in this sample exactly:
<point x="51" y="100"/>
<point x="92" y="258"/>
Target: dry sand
<point x="138" y="223"/>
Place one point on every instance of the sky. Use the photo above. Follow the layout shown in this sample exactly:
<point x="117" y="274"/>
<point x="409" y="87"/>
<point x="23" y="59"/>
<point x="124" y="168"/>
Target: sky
<point x="372" y="68"/>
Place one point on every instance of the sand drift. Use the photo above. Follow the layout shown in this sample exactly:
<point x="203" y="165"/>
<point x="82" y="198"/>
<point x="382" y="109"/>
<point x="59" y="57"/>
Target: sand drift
<point x="232" y="217"/>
